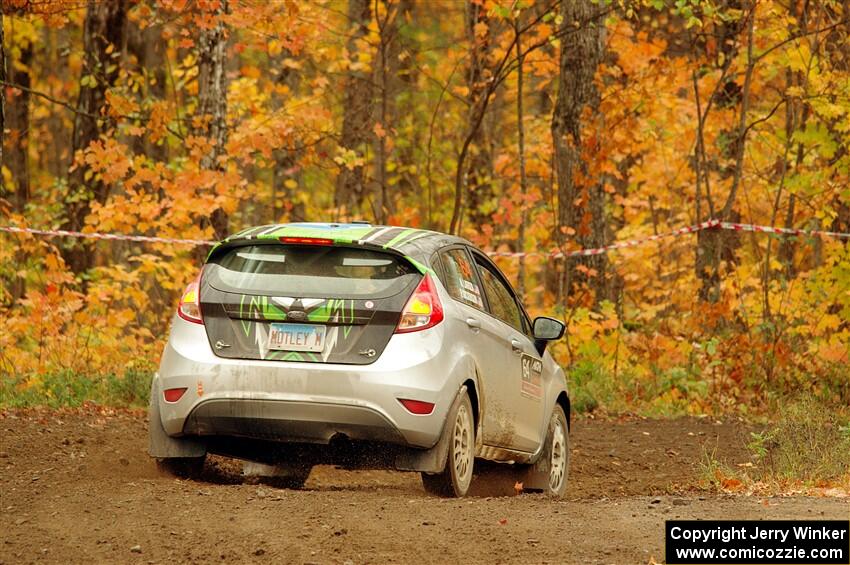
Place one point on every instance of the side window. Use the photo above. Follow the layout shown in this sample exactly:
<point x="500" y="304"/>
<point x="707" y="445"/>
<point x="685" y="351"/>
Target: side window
<point x="460" y="278"/>
<point x="499" y="297"/>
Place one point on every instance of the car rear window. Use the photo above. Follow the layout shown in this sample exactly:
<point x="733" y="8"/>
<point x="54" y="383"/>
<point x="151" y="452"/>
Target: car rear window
<point x="310" y="271"/>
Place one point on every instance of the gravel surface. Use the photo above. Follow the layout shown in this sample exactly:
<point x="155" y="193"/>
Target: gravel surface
<point x="78" y="487"/>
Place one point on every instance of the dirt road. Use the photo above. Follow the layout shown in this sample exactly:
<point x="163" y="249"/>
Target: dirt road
<point x="78" y="488"/>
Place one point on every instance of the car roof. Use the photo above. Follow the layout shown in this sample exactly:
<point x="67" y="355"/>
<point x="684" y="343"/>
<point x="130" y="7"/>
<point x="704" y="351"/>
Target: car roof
<point x="414" y="244"/>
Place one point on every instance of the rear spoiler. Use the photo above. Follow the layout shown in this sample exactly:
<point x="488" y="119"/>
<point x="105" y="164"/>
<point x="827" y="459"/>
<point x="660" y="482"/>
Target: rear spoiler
<point x="276" y="238"/>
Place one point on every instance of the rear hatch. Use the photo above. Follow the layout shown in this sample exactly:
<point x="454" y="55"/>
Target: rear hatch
<point x="311" y="303"/>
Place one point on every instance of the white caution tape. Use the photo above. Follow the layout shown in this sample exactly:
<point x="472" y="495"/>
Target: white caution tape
<point x="709" y="224"/>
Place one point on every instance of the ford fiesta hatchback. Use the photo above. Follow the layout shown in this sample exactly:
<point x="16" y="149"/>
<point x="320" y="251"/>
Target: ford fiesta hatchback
<point x="363" y="346"/>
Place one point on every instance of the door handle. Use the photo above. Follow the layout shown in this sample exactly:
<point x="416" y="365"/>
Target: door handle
<point x="516" y="346"/>
<point x="473" y="324"/>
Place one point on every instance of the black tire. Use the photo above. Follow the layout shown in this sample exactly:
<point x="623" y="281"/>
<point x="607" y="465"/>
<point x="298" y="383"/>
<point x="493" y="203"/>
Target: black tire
<point x="456" y="476"/>
<point x="182" y="467"/>
<point x="552" y="470"/>
<point x="294" y="479"/>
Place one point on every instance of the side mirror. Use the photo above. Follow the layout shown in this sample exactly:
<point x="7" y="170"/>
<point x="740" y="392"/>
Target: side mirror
<point x="546" y="330"/>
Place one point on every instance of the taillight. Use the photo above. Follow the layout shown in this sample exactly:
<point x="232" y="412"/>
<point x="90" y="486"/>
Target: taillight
<point x="190" y="303"/>
<point x="423" y="309"/>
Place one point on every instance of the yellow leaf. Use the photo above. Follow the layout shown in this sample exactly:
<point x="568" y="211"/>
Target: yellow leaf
<point x="275" y="47"/>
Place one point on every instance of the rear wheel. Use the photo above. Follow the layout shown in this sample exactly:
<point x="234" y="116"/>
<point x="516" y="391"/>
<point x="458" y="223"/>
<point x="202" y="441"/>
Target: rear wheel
<point x="282" y="475"/>
<point x="455" y="478"/>
<point x="294" y="480"/>
<point x="181" y="467"/>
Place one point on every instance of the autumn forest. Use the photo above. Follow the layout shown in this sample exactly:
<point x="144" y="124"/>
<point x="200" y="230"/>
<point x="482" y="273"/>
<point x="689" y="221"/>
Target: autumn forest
<point x="532" y="128"/>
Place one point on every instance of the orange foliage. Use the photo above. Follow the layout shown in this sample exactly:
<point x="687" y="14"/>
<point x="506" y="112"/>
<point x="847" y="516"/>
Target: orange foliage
<point x="658" y="347"/>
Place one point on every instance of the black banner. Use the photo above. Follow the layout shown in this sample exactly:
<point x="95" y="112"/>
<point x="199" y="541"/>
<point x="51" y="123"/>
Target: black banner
<point x="762" y="542"/>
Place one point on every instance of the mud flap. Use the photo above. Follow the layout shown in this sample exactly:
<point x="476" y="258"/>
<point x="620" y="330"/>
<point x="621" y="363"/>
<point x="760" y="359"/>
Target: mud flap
<point x="536" y="476"/>
<point x="430" y="460"/>
<point x="160" y="443"/>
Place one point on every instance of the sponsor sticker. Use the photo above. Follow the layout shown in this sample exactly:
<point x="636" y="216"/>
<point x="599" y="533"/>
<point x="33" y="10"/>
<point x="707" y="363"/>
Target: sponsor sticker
<point x="532" y="368"/>
<point x="469" y="297"/>
<point x="469" y="285"/>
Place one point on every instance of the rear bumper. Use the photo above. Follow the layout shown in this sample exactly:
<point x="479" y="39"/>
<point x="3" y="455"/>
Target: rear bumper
<point x="308" y="422"/>
<point x="309" y="402"/>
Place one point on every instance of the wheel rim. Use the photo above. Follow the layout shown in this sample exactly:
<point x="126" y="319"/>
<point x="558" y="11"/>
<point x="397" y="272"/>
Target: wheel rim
<point x="558" y="462"/>
<point x="462" y="444"/>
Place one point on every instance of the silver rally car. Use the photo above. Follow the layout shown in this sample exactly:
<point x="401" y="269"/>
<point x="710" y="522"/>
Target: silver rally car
<point x="362" y="346"/>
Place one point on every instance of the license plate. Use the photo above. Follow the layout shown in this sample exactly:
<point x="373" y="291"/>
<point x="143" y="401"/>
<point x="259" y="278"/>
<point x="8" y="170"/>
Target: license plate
<point x="297" y="337"/>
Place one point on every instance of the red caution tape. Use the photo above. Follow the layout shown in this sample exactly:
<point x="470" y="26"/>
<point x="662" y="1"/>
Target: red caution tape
<point x="782" y="231"/>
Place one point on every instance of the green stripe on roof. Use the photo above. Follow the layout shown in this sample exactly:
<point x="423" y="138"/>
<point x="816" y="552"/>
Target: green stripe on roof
<point x="399" y="237"/>
<point x="421" y="234"/>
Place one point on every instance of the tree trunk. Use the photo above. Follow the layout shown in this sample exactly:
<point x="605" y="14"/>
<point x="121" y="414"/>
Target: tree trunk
<point x="148" y="47"/>
<point x="716" y="246"/>
<point x="480" y="174"/>
<point x="285" y="158"/>
<point x="2" y="91"/>
<point x="211" y="113"/>
<point x="407" y="118"/>
<point x="796" y="115"/>
<point x="16" y="150"/>
<point x="523" y="188"/>
<point x="386" y="78"/>
<point x="357" y="107"/>
<point x="105" y="26"/>
<point x="581" y="199"/>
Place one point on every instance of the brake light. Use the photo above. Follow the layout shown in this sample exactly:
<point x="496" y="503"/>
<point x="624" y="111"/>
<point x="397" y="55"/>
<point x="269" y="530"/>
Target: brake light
<point x="418" y="407"/>
<point x="307" y="240"/>
<point x="190" y="303"/>
<point x="423" y="309"/>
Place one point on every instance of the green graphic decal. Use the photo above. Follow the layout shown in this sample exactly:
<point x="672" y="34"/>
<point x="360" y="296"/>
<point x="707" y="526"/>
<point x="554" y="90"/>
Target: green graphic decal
<point x="420" y="267"/>
<point x="321" y="314"/>
<point x="339" y="310"/>
<point x="246" y="326"/>
<point x="271" y="312"/>
<point x="258" y="308"/>
<point x="292" y="356"/>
